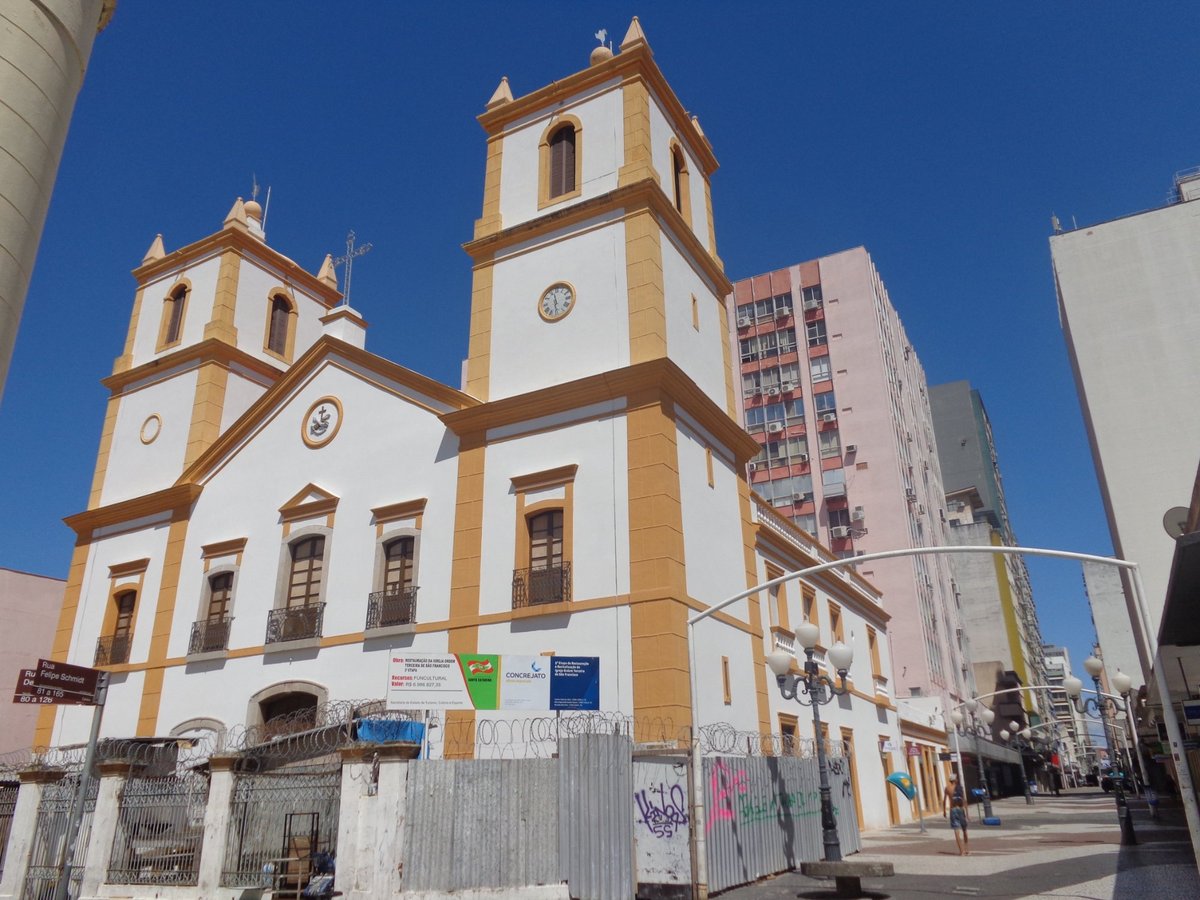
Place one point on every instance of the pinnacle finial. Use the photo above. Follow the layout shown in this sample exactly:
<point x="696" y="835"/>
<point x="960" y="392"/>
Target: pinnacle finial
<point x="634" y="35"/>
<point x="156" y="251"/>
<point x="328" y="274"/>
<point x="502" y="94"/>
<point x="237" y="215"/>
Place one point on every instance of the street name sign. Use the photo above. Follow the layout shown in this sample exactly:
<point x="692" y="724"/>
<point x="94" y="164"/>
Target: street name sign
<point x="29" y="691"/>
<point x="57" y="683"/>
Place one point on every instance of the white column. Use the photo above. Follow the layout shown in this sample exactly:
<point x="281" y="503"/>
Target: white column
<point x="216" y="825"/>
<point x="104" y="827"/>
<point x="20" y="836"/>
<point x="371" y="827"/>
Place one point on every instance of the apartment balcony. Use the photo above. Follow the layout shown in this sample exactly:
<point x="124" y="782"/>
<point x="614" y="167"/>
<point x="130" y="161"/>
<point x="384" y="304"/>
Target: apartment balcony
<point x="881" y="688"/>
<point x="537" y="587"/>
<point x="113" y="650"/>
<point x="392" y="611"/>
<point x="784" y="640"/>
<point x="210" y="638"/>
<point x="297" y="627"/>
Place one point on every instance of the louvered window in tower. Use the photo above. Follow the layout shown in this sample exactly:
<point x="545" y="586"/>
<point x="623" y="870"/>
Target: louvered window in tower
<point x="281" y="311"/>
<point x="174" y="314"/>
<point x="562" y="161"/>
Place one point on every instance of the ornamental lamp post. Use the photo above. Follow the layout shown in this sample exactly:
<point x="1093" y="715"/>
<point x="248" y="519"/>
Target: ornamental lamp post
<point x="819" y="689"/>
<point x="976" y="729"/>
<point x="1099" y="707"/>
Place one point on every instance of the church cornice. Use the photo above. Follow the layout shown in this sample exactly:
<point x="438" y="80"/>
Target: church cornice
<point x="209" y="350"/>
<point x="629" y="65"/>
<point x="176" y="499"/>
<point x="631" y="198"/>
<point x="250" y="248"/>
<point x="657" y="376"/>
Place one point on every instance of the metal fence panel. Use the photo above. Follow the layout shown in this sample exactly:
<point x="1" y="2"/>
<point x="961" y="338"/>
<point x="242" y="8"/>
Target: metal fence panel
<point x="475" y="823"/>
<point x="257" y="840"/>
<point x="8" y="805"/>
<point x="763" y="815"/>
<point x="50" y="834"/>
<point x="160" y="829"/>
<point x="595" y="842"/>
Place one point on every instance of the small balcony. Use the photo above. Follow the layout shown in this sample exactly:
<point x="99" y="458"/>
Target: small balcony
<point x="210" y="636"/>
<point x="537" y="587"/>
<point x="112" y="650"/>
<point x="295" y="624"/>
<point x="392" y="607"/>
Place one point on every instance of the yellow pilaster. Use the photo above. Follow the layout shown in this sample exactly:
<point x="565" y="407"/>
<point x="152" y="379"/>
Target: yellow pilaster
<point x="164" y="616"/>
<point x="44" y="732"/>
<point x="106" y="440"/>
<point x="490" y="222"/>
<point x="644" y="274"/>
<point x="465" y="582"/>
<point x="755" y="609"/>
<point x="479" y="342"/>
<point x="125" y="360"/>
<point x="221" y="326"/>
<point x="639" y="159"/>
<point x="207" y="409"/>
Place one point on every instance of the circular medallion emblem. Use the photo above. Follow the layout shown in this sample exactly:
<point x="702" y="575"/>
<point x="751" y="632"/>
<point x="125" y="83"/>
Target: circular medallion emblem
<point x="151" y="428"/>
<point x="321" y="422"/>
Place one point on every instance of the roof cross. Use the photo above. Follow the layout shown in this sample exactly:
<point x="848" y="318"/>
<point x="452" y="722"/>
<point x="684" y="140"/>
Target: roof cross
<point x="348" y="259"/>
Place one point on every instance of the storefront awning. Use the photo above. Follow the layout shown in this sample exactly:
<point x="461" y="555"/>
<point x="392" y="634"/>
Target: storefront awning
<point x="986" y="749"/>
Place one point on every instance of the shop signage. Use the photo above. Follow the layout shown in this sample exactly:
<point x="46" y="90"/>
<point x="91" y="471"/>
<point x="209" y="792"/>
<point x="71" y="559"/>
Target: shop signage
<point x="488" y="681"/>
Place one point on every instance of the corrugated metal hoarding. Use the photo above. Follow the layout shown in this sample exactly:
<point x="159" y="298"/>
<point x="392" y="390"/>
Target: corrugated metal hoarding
<point x="481" y="823"/>
<point x="763" y="815"/>
<point x="596" y="809"/>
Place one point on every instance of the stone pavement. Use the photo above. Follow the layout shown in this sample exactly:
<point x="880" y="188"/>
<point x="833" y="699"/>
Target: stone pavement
<point x="1067" y="846"/>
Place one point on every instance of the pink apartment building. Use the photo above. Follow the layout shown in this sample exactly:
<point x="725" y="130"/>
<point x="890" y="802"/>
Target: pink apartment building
<point x="835" y="394"/>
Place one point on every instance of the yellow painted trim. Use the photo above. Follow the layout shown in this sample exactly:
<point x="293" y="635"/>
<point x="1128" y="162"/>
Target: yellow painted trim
<point x="129" y="569"/>
<point x="728" y="694"/>
<point x="407" y="509"/>
<point x="630" y="200"/>
<point x="750" y="562"/>
<point x="465" y="576"/>
<point x="106" y="440"/>
<point x="545" y="479"/>
<point x="223" y="548"/>
<point x="207" y="409"/>
<point x="297" y="508"/>
<point x="644" y="281"/>
<point x="150" y="429"/>
<point x="165" y="314"/>
<point x="557" y="122"/>
<point x="249" y="247"/>
<point x="712" y="229"/>
<point x="164" y="616"/>
<point x="639" y="152"/>
<point x="289" y="344"/>
<point x="708" y="467"/>
<point x="727" y="360"/>
<point x="221" y="325"/>
<point x="1008" y="608"/>
<point x="491" y="221"/>
<point x="632" y="64"/>
<point x="479" y="341"/>
<point x="177" y="497"/>
<point x="210" y="350"/>
<point x="125" y="360"/>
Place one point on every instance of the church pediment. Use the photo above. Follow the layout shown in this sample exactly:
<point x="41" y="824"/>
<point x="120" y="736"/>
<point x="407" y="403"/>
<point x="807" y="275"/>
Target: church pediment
<point x="310" y="501"/>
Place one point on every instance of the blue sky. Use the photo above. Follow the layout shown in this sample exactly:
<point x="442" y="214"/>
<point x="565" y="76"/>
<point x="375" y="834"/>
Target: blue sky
<point x="942" y="136"/>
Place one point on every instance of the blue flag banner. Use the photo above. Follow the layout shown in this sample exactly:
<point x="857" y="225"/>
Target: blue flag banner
<point x="903" y="783"/>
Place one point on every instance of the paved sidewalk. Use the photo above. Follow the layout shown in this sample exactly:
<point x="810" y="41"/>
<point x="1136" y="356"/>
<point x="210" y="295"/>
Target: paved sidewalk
<point x="1067" y="846"/>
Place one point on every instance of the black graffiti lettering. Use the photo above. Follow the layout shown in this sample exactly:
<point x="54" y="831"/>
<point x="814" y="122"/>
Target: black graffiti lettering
<point x="663" y="809"/>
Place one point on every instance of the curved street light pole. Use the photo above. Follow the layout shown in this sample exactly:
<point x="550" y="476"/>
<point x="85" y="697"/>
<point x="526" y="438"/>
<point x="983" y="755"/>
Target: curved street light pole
<point x="1098" y="707"/>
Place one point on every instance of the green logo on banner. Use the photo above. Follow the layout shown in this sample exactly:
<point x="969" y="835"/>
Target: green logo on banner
<point x="481" y="672"/>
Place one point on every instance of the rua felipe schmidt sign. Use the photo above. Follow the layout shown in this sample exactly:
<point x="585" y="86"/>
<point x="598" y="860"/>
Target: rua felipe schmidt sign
<point x="492" y="681"/>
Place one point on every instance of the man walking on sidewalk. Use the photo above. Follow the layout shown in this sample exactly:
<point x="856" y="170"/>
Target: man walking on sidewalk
<point x="955" y="799"/>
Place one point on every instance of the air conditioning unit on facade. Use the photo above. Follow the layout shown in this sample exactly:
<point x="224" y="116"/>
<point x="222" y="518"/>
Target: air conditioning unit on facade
<point x="812" y="303"/>
<point x="921" y="509"/>
<point x="859" y="514"/>
<point x="802" y="457"/>
<point x="745" y="321"/>
<point x="852" y="448"/>
<point x="801" y="496"/>
<point x="753" y="467"/>
<point x="782" y="312"/>
<point x="840" y="531"/>
<point x="828" y="417"/>
<point x="774" y="427"/>
<point x="772" y="392"/>
<point x="910" y="494"/>
<point x="789" y="386"/>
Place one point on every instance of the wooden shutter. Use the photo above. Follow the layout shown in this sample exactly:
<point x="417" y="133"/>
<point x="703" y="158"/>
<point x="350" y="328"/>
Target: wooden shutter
<point x="562" y="161"/>
<point x="280" y="310"/>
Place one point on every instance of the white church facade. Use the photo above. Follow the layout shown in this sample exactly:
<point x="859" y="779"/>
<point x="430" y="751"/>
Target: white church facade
<point x="276" y="510"/>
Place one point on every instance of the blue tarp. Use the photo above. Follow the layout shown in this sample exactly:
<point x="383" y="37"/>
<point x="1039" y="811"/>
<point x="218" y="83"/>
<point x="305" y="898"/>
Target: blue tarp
<point x="383" y="730"/>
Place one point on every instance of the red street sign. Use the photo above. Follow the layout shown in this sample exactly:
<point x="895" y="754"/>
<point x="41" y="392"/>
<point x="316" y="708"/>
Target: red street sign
<point x="914" y="750"/>
<point x="63" y="677"/>
<point x="30" y="691"/>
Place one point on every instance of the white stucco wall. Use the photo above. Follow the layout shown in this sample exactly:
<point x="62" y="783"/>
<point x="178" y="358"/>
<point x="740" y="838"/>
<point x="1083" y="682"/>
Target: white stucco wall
<point x="135" y="468"/>
<point x="601" y="117"/>
<point x="241" y="390"/>
<point x="698" y="352"/>
<point x="196" y="314"/>
<point x="593" y="337"/>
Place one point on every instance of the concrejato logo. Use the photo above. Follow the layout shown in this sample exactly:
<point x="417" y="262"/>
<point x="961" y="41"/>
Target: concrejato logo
<point x="535" y="671"/>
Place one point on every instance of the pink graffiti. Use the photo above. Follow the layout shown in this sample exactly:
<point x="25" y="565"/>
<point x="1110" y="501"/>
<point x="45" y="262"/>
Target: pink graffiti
<point x="723" y="785"/>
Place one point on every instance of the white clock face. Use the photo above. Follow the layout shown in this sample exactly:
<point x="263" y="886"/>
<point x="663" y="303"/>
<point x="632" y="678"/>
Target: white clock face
<point x="556" y="302"/>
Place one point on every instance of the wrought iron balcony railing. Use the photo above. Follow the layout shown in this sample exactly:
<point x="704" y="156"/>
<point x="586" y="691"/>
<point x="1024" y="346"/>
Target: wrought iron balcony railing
<point x="395" y="605"/>
<point x="296" y="623"/>
<point x="534" y="587"/>
<point x="112" y="649"/>
<point x="210" y="635"/>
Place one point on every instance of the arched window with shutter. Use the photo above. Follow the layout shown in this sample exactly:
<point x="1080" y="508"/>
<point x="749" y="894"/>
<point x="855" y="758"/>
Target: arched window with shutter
<point x="680" y="187"/>
<point x="560" y="161"/>
<point x="170" y="329"/>
<point x="279" y="326"/>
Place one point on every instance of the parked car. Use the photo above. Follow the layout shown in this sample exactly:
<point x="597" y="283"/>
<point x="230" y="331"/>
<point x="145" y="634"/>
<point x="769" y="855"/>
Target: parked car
<point x="1108" y="782"/>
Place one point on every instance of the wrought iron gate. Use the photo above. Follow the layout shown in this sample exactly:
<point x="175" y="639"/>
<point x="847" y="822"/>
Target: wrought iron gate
<point x="50" y="834"/>
<point x="257" y="838"/>
<point x="8" y="805"/>
<point x="160" y="829"/>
